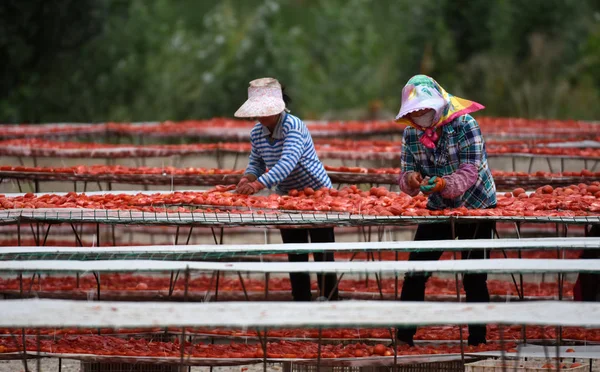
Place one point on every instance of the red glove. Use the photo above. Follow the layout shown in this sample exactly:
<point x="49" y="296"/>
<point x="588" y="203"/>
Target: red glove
<point x="250" y="188"/>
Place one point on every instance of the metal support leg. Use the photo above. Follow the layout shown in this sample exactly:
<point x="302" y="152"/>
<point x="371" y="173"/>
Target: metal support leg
<point x="173" y="282"/>
<point x="460" y="330"/>
<point x="97" y="277"/>
<point x="339" y="279"/>
<point x="77" y="238"/>
<point x="319" y="349"/>
<point x="176" y="235"/>
<point x="35" y="236"/>
<point x="502" y="347"/>
<point x="549" y="165"/>
<point x="187" y="241"/>
<point x="217" y="287"/>
<point x="521" y="293"/>
<point x="396" y="282"/>
<point x="267" y="277"/>
<point x="530" y="167"/>
<point x="24" y="350"/>
<point x="46" y="235"/>
<point x="38" y="361"/>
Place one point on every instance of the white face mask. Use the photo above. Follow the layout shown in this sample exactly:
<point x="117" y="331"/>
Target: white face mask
<point x="425" y="120"/>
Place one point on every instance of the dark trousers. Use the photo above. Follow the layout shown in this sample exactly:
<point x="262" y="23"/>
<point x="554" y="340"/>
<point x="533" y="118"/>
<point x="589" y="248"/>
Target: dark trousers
<point x="475" y="285"/>
<point x="301" y="281"/>
<point x="587" y="287"/>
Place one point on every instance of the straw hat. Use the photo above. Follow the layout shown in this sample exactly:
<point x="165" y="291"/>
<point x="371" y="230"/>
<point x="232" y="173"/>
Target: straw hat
<point x="264" y="99"/>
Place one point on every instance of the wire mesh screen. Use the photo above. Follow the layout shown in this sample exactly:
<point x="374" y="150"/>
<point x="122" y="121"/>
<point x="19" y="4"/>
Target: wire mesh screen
<point x="260" y="218"/>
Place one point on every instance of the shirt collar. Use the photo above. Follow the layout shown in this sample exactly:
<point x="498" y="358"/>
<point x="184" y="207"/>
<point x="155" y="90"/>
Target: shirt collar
<point x="277" y="132"/>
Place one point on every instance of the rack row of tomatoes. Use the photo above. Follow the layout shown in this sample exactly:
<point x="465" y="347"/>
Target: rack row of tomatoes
<point x="574" y="200"/>
<point x="432" y="333"/>
<point x="109" y="345"/>
<point x="489" y="125"/>
<point x="213" y="128"/>
<point x="492" y="143"/>
<point x="350" y="150"/>
<point x="127" y="282"/>
<point x="100" y="169"/>
<point x="436" y="333"/>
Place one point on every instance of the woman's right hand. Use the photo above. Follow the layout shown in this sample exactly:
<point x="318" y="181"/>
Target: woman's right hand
<point x="414" y="180"/>
<point x="245" y="179"/>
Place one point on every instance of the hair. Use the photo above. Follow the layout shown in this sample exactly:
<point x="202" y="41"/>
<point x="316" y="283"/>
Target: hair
<point x="286" y="98"/>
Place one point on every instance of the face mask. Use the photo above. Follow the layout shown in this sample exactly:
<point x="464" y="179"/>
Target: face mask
<point x="425" y="120"/>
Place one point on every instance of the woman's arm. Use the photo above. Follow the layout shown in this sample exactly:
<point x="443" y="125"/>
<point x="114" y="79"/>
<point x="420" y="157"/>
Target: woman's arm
<point x="408" y="166"/>
<point x="256" y="165"/>
<point x="471" y="153"/>
<point x="293" y="146"/>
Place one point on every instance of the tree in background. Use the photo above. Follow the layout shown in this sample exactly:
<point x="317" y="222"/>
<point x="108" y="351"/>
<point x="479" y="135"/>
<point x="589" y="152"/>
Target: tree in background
<point x="140" y="60"/>
<point x="37" y="38"/>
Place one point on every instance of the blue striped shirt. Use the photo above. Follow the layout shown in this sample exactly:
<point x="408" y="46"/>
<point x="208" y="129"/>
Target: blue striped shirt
<point x="289" y="155"/>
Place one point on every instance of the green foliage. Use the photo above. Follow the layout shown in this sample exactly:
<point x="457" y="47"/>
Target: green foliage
<point x="140" y="60"/>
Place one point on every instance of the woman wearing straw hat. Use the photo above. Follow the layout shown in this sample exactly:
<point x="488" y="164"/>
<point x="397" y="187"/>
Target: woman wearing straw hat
<point x="444" y="156"/>
<point x="281" y="142"/>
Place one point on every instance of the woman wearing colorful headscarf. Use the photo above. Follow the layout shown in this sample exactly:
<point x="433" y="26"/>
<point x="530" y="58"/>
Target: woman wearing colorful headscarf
<point x="282" y="143"/>
<point x="444" y="156"/>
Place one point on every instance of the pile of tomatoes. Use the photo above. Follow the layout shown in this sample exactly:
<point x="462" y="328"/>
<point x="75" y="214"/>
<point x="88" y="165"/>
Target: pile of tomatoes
<point x="490" y="126"/>
<point x="342" y="150"/>
<point x="435" y="333"/>
<point x="584" y="173"/>
<point x="126" y="282"/>
<point x="120" y="169"/>
<point x="574" y="200"/>
<point x="41" y="148"/>
<point x="33" y="130"/>
<point x="225" y="127"/>
<point x="108" y="345"/>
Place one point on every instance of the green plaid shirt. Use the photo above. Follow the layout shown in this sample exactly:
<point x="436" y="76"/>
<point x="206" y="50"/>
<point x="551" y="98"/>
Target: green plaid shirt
<point x="461" y="142"/>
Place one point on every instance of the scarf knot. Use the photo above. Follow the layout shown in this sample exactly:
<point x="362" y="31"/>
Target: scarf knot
<point x="429" y="138"/>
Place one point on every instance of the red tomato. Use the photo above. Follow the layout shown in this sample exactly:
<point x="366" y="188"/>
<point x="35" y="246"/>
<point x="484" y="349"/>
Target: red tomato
<point x="379" y="349"/>
<point x="518" y="191"/>
<point x="547" y="189"/>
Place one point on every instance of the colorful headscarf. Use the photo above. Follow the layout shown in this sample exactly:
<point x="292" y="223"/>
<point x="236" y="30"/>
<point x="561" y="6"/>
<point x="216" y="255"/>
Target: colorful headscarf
<point x="422" y="92"/>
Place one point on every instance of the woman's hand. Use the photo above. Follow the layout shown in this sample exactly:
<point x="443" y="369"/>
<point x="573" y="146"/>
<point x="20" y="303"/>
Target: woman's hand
<point x="435" y="184"/>
<point x="414" y="180"/>
<point x="250" y="188"/>
<point x="245" y="179"/>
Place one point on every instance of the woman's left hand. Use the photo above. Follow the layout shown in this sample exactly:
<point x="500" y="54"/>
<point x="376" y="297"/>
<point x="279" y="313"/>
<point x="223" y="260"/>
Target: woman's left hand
<point x="250" y="188"/>
<point x="435" y="184"/>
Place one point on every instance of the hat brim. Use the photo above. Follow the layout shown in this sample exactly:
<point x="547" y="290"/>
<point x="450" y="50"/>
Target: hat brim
<point x="260" y="107"/>
<point x="414" y="105"/>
